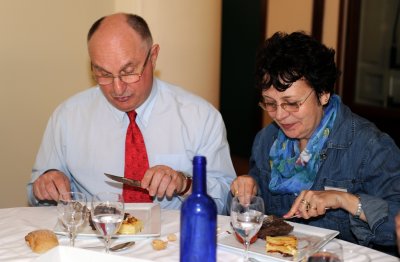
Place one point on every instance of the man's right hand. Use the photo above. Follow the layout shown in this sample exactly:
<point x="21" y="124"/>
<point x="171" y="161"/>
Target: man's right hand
<point x="49" y="185"/>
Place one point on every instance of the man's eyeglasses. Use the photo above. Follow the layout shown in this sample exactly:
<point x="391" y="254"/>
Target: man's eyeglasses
<point x="126" y="78"/>
<point x="288" y="107"/>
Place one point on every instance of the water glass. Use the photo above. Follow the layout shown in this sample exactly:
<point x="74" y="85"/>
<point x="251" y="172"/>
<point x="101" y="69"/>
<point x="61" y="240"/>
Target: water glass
<point x="107" y="212"/>
<point x="247" y="218"/>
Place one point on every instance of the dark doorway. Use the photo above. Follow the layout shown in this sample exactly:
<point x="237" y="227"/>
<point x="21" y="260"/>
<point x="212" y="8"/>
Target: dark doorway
<point x="243" y="31"/>
<point x="371" y="81"/>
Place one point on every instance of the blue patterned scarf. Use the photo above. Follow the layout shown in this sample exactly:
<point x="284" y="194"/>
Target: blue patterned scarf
<point x="292" y="171"/>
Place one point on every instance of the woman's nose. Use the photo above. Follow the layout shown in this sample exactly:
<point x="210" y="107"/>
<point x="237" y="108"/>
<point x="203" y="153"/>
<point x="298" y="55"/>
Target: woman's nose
<point x="280" y="113"/>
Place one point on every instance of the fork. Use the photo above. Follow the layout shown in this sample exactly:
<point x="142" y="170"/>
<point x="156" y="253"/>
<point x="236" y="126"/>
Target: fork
<point x="298" y="216"/>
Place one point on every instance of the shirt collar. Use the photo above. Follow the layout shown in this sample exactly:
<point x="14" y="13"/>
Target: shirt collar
<point x="143" y="111"/>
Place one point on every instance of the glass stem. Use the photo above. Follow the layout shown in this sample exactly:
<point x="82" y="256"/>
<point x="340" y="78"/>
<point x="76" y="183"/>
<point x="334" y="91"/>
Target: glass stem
<point x="72" y="234"/>
<point x="107" y="243"/>
<point x="246" y="249"/>
<point x="71" y="240"/>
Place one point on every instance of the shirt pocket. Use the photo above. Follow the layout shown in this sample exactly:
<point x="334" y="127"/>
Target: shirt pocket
<point x="179" y="162"/>
<point x="345" y="185"/>
<point x="338" y="216"/>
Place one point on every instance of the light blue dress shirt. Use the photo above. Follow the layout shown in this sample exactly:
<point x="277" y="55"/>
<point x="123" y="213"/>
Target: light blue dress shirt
<point x="85" y="138"/>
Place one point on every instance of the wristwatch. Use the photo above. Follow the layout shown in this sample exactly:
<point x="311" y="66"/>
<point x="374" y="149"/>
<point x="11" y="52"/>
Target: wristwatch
<point x="359" y="208"/>
<point x="188" y="180"/>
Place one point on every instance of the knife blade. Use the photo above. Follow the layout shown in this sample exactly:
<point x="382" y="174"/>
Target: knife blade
<point x="124" y="180"/>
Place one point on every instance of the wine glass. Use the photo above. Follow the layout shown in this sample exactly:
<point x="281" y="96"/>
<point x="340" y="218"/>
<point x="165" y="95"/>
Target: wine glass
<point x="107" y="214"/>
<point x="330" y="252"/>
<point x="246" y="218"/>
<point x="71" y="209"/>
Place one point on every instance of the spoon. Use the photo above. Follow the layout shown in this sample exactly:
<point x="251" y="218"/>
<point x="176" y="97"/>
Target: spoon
<point x="116" y="248"/>
<point x="122" y="246"/>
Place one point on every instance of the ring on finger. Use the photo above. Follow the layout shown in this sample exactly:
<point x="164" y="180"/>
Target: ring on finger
<point x="305" y="202"/>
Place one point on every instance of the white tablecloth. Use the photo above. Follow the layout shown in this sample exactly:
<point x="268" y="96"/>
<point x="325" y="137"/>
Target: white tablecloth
<point x="15" y="223"/>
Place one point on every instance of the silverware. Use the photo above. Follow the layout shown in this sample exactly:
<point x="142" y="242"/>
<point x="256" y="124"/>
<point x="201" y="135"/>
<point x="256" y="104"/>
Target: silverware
<point x="122" y="246"/>
<point x="116" y="248"/>
<point x="295" y="216"/>
<point x="298" y="216"/>
<point x="127" y="181"/>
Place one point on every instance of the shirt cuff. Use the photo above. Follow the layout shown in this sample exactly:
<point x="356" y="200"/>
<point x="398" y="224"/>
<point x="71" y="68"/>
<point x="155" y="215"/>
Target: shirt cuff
<point x="375" y="210"/>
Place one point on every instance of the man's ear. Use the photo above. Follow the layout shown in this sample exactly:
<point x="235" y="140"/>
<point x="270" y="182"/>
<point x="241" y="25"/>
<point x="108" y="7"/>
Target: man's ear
<point x="154" y="55"/>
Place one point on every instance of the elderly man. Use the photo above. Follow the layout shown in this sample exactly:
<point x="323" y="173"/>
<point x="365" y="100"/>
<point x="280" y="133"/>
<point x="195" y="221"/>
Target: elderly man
<point x="130" y="124"/>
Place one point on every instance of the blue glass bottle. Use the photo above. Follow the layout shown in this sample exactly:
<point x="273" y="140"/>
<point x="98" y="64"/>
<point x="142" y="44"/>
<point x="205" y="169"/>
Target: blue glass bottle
<point x="198" y="219"/>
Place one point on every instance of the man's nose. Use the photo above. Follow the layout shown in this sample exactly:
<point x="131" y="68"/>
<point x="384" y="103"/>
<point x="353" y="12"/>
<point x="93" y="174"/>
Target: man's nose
<point x="119" y="86"/>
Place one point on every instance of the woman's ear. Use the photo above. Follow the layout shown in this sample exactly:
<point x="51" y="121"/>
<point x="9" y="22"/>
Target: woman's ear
<point x="324" y="98"/>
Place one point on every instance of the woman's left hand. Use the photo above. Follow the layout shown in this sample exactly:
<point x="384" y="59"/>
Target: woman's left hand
<point x="315" y="203"/>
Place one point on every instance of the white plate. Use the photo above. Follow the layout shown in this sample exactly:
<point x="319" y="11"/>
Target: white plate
<point x="148" y="213"/>
<point x="310" y="239"/>
<point x="67" y="254"/>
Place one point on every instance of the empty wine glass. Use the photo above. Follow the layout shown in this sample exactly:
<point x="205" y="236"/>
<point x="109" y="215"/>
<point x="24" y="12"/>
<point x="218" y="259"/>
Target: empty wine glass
<point x="107" y="214"/>
<point x="71" y="209"/>
<point x="247" y="218"/>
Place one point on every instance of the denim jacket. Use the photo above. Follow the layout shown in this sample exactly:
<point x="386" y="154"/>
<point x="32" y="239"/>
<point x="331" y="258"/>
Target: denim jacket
<point x="357" y="158"/>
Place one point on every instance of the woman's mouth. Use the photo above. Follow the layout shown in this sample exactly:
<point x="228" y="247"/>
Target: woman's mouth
<point x="287" y="127"/>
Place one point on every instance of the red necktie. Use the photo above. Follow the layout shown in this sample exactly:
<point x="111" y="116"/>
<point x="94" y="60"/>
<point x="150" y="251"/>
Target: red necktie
<point x="136" y="162"/>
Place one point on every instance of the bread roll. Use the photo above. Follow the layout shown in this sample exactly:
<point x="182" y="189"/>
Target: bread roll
<point x="158" y="244"/>
<point x="41" y="240"/>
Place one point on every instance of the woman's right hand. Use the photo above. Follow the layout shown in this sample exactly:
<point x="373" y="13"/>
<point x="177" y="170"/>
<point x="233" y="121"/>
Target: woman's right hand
<point x="244" y="187"/>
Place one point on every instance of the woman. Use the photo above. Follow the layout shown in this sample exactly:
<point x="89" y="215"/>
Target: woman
<point x="318" y="162"/>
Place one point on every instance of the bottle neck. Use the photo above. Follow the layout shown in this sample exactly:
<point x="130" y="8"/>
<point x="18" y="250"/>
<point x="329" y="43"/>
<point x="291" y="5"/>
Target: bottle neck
<point x="199" y="175"/>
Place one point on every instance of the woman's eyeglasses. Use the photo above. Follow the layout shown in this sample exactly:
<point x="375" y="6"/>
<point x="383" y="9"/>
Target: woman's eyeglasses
<point x="288" y="107"/>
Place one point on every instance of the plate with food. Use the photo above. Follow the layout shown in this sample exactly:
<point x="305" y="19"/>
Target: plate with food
<point x="280" y="240"/>
<point x="141" y="220"/>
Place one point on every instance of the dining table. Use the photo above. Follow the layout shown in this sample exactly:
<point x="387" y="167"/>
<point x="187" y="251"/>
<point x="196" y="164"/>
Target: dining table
<point x="17" y="222"/>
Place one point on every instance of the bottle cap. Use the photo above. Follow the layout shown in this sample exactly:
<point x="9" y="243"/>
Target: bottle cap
<point x="198" y="160"/>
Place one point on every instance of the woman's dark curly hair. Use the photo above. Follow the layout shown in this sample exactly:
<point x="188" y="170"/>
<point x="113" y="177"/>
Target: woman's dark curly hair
<point x="285" y="58"/>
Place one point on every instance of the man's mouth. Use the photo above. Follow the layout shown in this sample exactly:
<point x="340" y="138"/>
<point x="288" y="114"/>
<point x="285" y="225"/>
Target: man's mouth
<point x="121" y="98"/>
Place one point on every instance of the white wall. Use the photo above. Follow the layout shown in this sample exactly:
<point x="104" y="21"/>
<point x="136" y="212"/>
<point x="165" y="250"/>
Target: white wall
<point x="43" y="60"/>
<point x="189" y="34"/>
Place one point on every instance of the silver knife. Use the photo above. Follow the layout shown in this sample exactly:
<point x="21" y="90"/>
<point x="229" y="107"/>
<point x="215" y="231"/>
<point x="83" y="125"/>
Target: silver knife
<point x="124" y="180"/>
